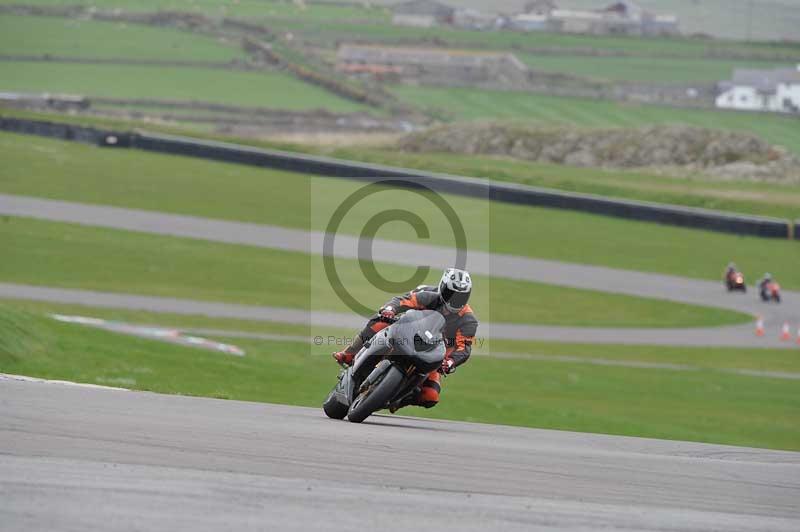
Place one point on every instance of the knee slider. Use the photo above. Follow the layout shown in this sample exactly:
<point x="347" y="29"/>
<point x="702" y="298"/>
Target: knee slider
<point x="428" y="397"/>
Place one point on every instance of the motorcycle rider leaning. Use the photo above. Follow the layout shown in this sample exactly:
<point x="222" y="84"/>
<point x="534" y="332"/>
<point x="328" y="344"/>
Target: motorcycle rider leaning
<point x="764" y="283"/>
<point x="450" y="299"/>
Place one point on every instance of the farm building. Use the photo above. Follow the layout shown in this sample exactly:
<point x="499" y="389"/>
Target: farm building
<point x="540" y="7"/>
<point x="432" y="65"/>
<point x="571" y="21"/>
<point x="472" y="19"/>
<point x="531" y="22"/>
<point x="776" y="90"/>
<point x="422" y="13"/>
<point x="660" y="25"/>
<point x="629" y="17"/>
<point x="624" y="18"/>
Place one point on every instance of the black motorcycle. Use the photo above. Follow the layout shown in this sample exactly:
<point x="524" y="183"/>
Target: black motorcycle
<point x="770" y="291"/>
<point x="390" y="367"/>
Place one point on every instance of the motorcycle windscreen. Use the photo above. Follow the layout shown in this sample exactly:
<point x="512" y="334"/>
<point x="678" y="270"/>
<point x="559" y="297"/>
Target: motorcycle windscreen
<point x="417" y="335"/>
<point x="427" y="361"/>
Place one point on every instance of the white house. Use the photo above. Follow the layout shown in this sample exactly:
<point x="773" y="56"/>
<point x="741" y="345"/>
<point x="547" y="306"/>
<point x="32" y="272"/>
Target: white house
<point x="623" y="17"/>
<point x="776" y="90"/>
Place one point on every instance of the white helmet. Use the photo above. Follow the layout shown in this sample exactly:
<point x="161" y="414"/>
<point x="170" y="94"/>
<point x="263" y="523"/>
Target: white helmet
<point x="454" y="289"/>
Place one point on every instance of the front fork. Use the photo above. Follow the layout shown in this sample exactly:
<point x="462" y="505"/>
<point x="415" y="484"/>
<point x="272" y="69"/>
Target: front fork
<point x="375" y="375"/>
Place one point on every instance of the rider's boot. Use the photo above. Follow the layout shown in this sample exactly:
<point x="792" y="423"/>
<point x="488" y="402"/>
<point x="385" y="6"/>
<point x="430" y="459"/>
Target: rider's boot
<point x="343" y="358"/>
<point x="346" y="357"/>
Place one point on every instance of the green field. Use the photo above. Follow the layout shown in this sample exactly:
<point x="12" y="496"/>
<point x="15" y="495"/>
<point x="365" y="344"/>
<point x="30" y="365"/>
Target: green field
<point x="62" y="37"/>
<point x="642" y="69"/>
<point x="704" y="405"/>
<point x="71" y="256"/>
<point x="61" y="170"/>
<point x="244" y="9"/>
<point x="479" y="104"/>
<point x="272" y="90"/>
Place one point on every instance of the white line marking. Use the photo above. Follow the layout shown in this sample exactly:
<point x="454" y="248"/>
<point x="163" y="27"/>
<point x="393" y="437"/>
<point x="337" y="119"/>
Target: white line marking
<point x="24" y="378"/>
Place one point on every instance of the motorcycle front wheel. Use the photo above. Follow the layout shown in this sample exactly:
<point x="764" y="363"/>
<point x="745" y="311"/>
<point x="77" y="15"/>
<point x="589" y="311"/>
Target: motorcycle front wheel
<point x="333" y="408"/>
<point x="376" y="397"/>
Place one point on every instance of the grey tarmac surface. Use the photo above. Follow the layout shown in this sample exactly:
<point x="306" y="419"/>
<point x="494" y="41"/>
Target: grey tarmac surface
<point x="78" y="458"/>
<point x="641" y="284"/>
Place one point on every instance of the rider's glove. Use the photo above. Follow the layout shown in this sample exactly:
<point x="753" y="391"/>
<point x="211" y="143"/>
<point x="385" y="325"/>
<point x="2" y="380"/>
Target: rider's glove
<point x="388" y="312"/>
<point x="448" y="366"/>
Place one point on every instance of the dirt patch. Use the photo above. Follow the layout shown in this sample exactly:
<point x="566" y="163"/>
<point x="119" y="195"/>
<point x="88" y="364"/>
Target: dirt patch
<point x="672" y="149"/>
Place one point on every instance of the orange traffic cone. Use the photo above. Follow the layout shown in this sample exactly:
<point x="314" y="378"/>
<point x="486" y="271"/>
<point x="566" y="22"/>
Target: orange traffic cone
<point x="760" y="326"/>
<point x="786" y="333"/>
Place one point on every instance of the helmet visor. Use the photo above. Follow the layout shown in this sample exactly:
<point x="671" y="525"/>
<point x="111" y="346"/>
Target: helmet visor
<point x="454" y="299"/>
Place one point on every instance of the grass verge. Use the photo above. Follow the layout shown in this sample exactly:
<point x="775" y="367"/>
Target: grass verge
<point x="167" y="320"/>
<point x="72" y="256"/>
<point x="775" y="200"/>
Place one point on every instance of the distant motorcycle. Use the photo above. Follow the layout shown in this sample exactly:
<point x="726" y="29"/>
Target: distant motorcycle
<point x="390" y="367"/>
<point x="735" y="281"/>
<point x="771" y="291"/>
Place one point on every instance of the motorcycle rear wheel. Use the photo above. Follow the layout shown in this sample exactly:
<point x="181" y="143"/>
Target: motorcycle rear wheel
<point x="376" y="397"/>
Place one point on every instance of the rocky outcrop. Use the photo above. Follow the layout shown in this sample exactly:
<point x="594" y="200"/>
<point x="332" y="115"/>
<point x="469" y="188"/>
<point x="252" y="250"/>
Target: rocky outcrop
<point x="722" y="153"/>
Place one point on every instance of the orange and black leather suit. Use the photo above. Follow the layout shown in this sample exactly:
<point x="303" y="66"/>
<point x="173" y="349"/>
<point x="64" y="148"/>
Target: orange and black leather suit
<point x="459" y="333"/>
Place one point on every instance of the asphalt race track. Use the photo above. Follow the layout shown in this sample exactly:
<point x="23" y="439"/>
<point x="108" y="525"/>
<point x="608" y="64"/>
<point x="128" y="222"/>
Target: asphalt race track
<point x="85" y="458"/>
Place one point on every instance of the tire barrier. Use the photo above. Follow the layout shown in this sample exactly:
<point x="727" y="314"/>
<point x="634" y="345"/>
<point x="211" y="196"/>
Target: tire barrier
<point x="75" y="133"/>
<point x="464" y="186"/>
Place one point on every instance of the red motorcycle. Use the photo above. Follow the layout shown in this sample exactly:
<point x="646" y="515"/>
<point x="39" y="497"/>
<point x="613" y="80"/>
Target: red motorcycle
<point x="771" y="291"/>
